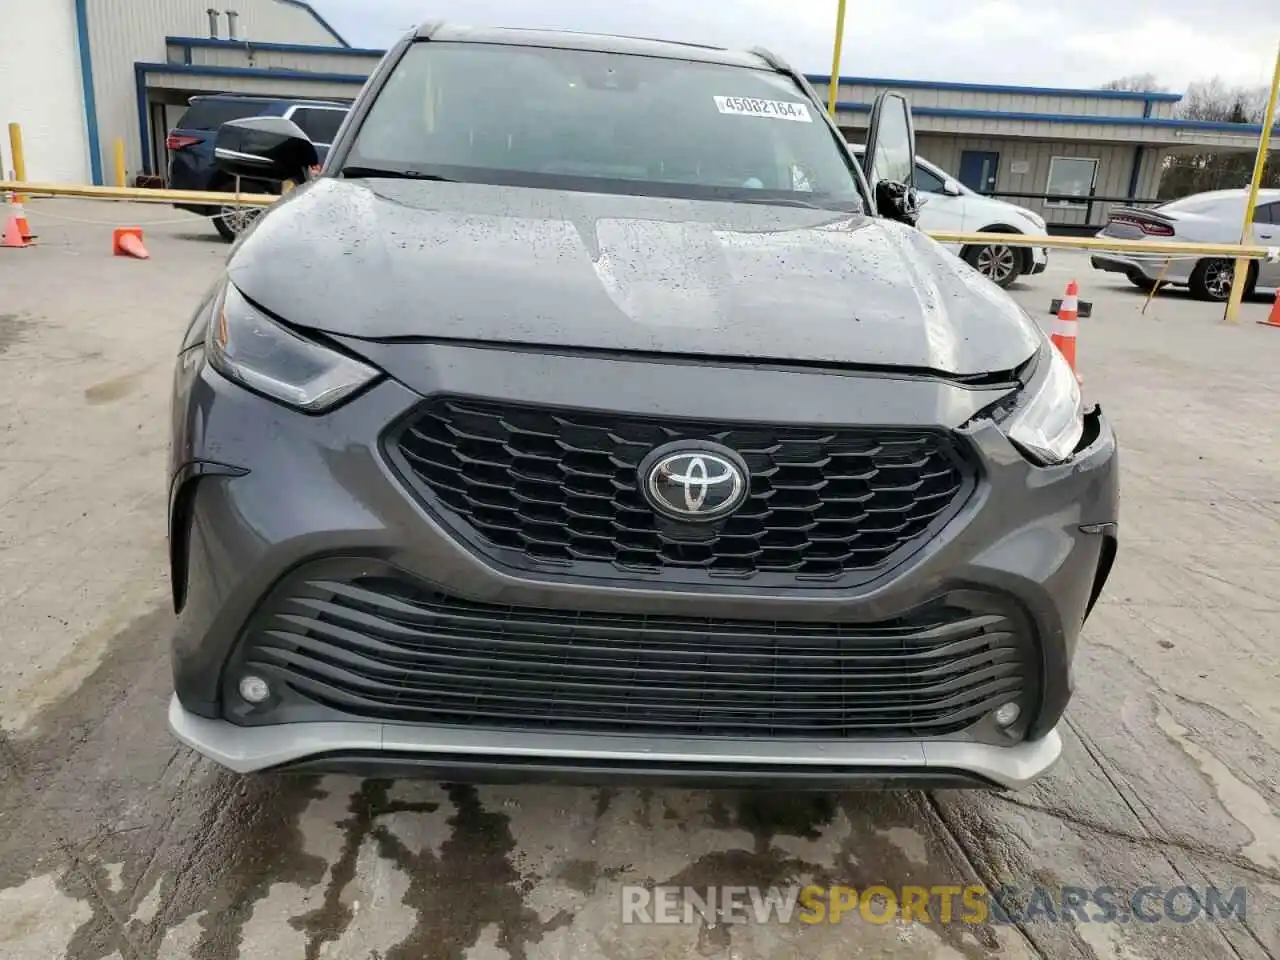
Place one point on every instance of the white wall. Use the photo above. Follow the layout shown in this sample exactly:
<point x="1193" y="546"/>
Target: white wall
<point x="124" y="32"/>
<point x="40" y="89"/>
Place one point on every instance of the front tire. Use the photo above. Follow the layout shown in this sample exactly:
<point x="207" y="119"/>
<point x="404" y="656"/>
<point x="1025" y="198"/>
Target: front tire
<point x="230" y="221"/>
<point x="1000" y="264"/>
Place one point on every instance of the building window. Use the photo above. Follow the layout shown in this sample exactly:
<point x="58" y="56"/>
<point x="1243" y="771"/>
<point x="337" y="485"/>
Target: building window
<point x="1071" y="177"/>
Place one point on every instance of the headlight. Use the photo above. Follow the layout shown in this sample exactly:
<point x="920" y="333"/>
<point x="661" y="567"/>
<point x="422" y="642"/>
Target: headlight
<point x="1048" y="422"/>
<point x="246" y="346"/>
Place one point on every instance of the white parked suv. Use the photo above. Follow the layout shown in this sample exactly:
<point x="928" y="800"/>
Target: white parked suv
<point x="950" y="205"/>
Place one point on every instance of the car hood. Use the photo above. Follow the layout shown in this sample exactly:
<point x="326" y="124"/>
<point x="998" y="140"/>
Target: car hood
<point x="470" y="262"/>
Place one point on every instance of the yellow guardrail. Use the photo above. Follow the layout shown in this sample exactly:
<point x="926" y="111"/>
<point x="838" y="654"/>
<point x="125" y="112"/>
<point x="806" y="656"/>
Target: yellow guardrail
<point x="1112" y="245"/>
<point x="138" y="194"/>
<point x="1107" y="244"/>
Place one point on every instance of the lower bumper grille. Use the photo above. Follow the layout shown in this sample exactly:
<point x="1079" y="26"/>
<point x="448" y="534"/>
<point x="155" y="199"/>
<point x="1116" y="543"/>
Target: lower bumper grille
<point x="377" y="645"/>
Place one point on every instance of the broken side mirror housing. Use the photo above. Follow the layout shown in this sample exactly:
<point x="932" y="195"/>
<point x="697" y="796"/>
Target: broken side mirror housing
<point x="265" y="148"/>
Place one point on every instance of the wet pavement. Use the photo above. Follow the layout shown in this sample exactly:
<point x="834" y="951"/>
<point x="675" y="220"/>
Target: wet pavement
<point x="115" y="842"/>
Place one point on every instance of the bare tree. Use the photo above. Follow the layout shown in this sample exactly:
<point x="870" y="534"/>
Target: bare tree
<point x="1212" y="100"/>
<point x="1136" y="83"/>
<point x="1216" y="102"/>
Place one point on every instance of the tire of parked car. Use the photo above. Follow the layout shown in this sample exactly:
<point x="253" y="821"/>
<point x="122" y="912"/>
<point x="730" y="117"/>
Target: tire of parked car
<point x="999" y="263"/>
<point x="1211" y="280"/>
<point x="231" y="220"/>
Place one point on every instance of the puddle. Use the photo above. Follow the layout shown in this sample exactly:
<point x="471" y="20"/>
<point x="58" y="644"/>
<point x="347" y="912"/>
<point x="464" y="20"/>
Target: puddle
<point x="1248" y="807"/>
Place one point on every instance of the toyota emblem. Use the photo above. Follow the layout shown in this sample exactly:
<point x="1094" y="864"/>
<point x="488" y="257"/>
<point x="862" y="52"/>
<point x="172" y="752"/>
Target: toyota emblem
<point x="698" y="482"/>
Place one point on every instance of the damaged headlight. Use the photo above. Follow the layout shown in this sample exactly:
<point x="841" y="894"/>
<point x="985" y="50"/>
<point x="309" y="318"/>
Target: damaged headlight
<point x="1047" y="419"/>
<point x="245" y="345"/>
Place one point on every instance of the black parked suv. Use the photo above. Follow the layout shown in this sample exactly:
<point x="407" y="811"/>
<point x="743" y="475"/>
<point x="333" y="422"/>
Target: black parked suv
<point x="190" y="143"/>
<point x="595" y="415"/>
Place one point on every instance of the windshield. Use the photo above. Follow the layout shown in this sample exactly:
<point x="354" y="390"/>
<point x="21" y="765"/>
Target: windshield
<point x="585" y="120"/>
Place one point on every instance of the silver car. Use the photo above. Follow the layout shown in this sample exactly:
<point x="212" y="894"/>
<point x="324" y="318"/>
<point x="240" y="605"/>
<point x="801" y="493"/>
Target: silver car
<point x="1213" y="217"/>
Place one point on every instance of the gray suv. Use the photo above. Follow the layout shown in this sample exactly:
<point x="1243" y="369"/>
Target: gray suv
<point x="594" y="415"/>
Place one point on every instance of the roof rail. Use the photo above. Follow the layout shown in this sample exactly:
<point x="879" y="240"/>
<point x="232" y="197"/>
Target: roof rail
<point x="771" y="59"/>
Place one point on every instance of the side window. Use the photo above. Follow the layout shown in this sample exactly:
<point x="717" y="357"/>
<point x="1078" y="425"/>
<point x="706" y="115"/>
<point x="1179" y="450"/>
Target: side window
<point x="319" y="123"/>
<point x="927" y="181"/>
<point x="1267" y="213"/>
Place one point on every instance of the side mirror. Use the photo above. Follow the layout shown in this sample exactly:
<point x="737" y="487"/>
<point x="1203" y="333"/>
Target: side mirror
<point x="891" y="158"/>
<point x="264" y="148"/>
<point x="951" y="188"/>
<point x="898" y="201"/>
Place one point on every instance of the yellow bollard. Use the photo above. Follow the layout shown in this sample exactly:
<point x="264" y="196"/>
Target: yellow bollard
<point x="19" y="158"/>
<point x="121" y="173"/>
<point x="1241" y="273"/>
<point x="834" y="86"/>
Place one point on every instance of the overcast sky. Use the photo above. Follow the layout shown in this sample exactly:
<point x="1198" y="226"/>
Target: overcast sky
<point x="1045" y="42"/>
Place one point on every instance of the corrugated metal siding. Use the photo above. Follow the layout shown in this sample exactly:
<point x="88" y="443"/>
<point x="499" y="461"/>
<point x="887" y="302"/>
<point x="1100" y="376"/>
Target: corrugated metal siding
<point x="263" y="86"/>
<point x="1048" y="130"/>
<point x="1115" y="165"/>
<point x="282" y="60"/>
<point x="997" y="100"/>
<point x="40" y="89"/>
<point x="124" y="32"/>
<point x="1150" y="173"/>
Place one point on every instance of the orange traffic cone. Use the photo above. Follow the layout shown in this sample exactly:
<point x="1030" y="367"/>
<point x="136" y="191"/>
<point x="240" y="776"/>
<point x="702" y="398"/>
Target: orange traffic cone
<point x="23" y="225"/>
<point x="1067" y="325"/>
<point x="127" y="242"/>
<point x="13" y="235"/>
<point x="19" y="213"/>
<point x="1274" y="319"/>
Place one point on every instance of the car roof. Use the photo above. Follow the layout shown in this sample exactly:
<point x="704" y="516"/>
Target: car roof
<point x="756" y="58"/>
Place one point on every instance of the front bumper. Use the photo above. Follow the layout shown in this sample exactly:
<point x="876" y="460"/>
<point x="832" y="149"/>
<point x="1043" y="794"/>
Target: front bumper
<point x="260" y="491"/>
<point x="1039" y="260"/>
<point x="477" y="755"/>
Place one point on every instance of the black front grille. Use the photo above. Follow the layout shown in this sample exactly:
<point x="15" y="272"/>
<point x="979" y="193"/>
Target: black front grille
<point x="542" y="487"/>
<point x="374" y="644"/>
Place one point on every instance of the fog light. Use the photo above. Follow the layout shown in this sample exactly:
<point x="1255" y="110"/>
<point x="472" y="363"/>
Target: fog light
<point x="255" y="689"/>
<point x="1006" y="714"/>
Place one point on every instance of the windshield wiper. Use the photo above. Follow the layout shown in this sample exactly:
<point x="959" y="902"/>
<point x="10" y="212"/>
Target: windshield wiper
<point x="392" y="173"/>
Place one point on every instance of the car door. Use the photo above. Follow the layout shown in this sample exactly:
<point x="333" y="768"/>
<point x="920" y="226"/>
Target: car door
<point x="940" y="210"/>
<point x="1266" y="233"/>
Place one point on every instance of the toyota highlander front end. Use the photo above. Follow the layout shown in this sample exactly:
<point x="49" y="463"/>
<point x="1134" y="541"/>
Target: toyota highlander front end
<point x="476" y="478"/>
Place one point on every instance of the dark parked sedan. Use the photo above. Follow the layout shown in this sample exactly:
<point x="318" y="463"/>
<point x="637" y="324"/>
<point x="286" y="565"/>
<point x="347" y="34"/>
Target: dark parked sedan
<point x="594" y="415"/>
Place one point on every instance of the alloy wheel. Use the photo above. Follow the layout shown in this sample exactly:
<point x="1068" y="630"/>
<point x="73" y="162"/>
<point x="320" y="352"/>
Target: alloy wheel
<point x="238" y="219"/>
<point x="997" y="263"/>
<point x="1217" y="278"/>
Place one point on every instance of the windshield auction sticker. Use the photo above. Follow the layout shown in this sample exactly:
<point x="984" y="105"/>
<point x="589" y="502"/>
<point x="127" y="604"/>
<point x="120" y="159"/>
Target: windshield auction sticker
<point x="774" y="109"/>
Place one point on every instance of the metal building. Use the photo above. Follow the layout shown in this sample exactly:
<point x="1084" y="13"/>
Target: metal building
<point x="81" y="73"/>
<point x="70" y="70"/>
<point x="1068" y="154"/>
